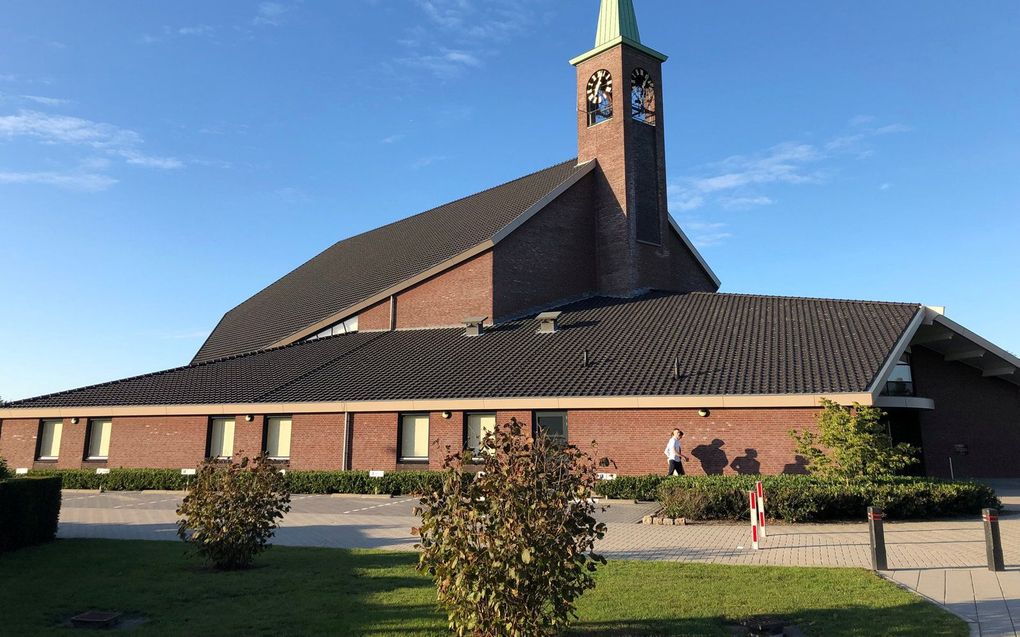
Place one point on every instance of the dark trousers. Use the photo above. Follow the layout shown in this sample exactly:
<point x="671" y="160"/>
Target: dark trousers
<point x="675" y="465"/>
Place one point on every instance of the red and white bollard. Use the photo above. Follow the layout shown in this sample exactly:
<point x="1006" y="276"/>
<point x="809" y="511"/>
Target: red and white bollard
<point x="753" y="495"/>
<point x="761" y="507"/>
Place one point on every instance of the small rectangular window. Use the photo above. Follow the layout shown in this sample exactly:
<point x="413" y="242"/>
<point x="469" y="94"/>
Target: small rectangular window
<point x="414" y="437"/>
<point x="278" y="437"/>
<point x="221" y="438"/>
<point x="49" y="439"/>
<point x="553" y="423"/>
<point x="99" y="439"/>
<point x="478" y="425"/>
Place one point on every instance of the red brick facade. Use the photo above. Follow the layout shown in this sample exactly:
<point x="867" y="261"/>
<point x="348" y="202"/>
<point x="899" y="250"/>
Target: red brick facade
<point x="981" y="413"/>
<point x="632" y="439"/>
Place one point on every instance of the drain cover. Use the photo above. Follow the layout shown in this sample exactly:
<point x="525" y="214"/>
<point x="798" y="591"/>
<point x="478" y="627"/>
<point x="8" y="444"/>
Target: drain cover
<point x="95" y="619"/>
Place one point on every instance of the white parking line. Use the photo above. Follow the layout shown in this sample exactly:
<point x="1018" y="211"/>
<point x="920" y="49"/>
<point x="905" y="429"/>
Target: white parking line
<point x="379" y="506"/>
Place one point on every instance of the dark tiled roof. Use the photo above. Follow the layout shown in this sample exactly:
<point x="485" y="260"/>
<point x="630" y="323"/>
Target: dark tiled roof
<point x="357" y="268"/>
<point x="725" y="344"/>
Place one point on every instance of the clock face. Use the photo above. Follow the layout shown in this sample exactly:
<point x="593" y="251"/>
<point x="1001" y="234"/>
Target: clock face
<point x="642" y="96"/>
<point x="600" y="87"/>
<point x="600" y="97"/>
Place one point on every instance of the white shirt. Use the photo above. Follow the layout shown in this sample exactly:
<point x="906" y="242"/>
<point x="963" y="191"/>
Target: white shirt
<point x="672" y="450"/>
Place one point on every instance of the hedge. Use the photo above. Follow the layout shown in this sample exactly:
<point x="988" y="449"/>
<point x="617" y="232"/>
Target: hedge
<point x="393" y="483"/>
<point x="29" y="510"/>
<point x="796" y="498"/>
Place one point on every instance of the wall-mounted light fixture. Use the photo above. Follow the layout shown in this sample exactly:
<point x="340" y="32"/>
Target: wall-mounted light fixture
<point x="74" y="421"/>
<point x="249" y="418"/>
<point x="447" y="415"/>
<point x="703" y="412"/>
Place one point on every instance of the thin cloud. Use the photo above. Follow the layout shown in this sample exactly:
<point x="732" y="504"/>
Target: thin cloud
<point x="425" y="162"/>
<point x="45" y="101"/>
<point x="734" y="183"/>
<point x="269" y="14"/>
<point x="392" y="139"/>
<point x="200" y="29"/>
<point x="464" y="33"/>
<point x="705" y="234"/>
<point x="84" y="181"/>
<point x="109" y="141"/>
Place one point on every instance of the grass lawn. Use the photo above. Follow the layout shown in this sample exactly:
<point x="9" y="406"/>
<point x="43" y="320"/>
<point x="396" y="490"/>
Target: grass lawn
<point x="305" y="591"/>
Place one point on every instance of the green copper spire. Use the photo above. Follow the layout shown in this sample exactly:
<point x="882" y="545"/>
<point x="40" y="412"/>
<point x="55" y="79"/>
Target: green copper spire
<point x="617" y="25"/>
<point x="617" y="20"/>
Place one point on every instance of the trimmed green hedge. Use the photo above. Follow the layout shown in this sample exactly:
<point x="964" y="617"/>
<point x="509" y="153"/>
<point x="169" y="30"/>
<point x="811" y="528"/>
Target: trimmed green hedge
<point x="119" y="479"/>
<point x="796" y="498"/>
<point x="790" y="497"/>
<point x="29" y="510"/>
<point x="394" y="482"/>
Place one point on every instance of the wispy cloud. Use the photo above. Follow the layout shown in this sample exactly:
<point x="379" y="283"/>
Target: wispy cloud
<point x="269" y="14"/>
<point x="735" y="183"/>
<point x="392" y="139"/>
<point x="98" y="137"/>
<point x="706" y="233"/>
<point x="71" y="180"/>
<point x="198" y="29"/>
<point x="45" y="101"/>
<point x="463" y="33"/>
<point x="425" y="162"/>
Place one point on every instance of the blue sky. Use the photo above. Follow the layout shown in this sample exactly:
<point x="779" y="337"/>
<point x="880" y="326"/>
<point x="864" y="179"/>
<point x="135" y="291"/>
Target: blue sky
<point x="161" y="162"/>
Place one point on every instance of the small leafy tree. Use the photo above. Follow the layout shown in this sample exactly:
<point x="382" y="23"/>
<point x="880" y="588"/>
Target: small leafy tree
<point x="232" y="510"/>
<point x="5" y="472"/>
<point x="511" y="546"/>
<point x="856" y="444"/>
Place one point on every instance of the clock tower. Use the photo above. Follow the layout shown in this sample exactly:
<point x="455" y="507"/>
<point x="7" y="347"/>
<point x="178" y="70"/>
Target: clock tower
<point x="620" y="125"/>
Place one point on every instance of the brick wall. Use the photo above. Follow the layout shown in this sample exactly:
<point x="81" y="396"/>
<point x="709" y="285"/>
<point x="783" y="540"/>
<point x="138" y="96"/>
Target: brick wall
<point x="550" y="258"/>
<point x="18" y="439"/>
<point x="376" y="317"/>
<point x="635" y="439"/>
<point x="248" y="436"/>
<point x="982" y="413"/>
<point x="317" y="442"/>
<point x="444" y="432"/>
<point x="374" y="441"/>
<point x="162" y="442"/>
<point x="448" y="298"/>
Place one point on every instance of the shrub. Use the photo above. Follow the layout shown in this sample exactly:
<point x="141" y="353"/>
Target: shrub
<point x="232" y="510"/>
<point x="807" y="498"/>
<point x="510" y="547"/>
<point x="393" y="483"/>
<point x="856" y="444"/>
<point x="29" y="510"/>
<point x="5" y="472"/>
<point x="630" y="487"/>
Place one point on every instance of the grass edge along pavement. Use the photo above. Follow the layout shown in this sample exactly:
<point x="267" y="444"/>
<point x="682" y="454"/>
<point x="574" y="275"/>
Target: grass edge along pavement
<point x="314" y="591"/>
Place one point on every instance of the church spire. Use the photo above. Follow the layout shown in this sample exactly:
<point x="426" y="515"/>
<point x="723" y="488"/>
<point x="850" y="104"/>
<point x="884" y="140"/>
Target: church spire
<point x="617" y="25"/>
<point x="617" y="21"/>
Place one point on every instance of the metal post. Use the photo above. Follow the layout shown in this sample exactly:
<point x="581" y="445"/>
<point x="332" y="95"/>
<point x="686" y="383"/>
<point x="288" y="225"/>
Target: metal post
<point x="993" y="542"/>
<point x="879" y="562"/>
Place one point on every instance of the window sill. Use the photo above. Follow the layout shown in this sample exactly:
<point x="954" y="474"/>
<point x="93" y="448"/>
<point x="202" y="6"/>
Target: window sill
<point x="46" y="460"/>
<point x="97" y="459"/>
<point x="413" y="460"/>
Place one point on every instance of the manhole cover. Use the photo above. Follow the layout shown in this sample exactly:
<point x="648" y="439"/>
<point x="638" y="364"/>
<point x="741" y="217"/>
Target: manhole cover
<point x="95" y="619"/>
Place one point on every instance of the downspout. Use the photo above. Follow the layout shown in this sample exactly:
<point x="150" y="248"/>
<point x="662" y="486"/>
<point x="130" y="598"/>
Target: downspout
<point x="345" y="465"/>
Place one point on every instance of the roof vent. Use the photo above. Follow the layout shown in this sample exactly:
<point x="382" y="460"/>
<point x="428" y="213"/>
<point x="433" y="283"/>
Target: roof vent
<point x="473" y="325"/>
<point x="548" y="322"/>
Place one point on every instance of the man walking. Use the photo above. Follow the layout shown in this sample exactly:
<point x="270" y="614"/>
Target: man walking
<point x="672" y="452"/>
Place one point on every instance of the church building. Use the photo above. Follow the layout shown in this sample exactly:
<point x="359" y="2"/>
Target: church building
<point x="568" y="298"/>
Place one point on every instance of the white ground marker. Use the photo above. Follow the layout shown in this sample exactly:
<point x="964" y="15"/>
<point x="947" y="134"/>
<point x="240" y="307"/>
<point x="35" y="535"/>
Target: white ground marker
<point x="761" y="507"/>
<point x="754" y="519"/>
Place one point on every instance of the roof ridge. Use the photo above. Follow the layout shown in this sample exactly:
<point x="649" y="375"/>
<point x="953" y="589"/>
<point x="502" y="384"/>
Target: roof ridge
<point x="170" y="370"/>
<point x="804" y="298"/>
<point x="369" y="341"/>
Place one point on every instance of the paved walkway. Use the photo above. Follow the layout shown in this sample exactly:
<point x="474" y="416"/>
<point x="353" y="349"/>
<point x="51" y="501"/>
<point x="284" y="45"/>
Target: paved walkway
<point x="942" y="561"/>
